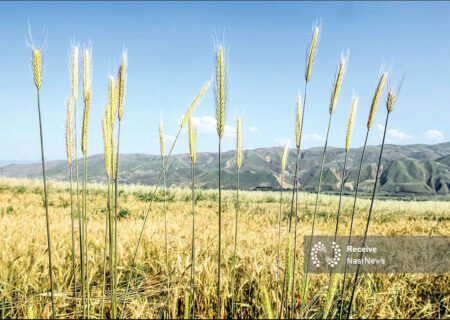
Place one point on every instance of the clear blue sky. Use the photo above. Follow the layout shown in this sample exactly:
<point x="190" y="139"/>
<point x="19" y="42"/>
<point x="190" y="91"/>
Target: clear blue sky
<point x="170" y="50"/>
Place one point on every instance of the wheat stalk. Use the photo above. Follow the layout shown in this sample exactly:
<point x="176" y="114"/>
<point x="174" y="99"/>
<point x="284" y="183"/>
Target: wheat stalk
<point x="238" y="166"/>
<point x="220" y="100"/>
<point x="188" y="113"/>
<point x="69" y="154"/>
<point x="161" y="146"/>
<point x="284" y="157"/>
<point x="192" y="153"/>
<point x="75" y="86"/>
<point x="337" y="86"/>
<point x="391" y="99"/>
<point x="87" y="103"/>
<point x="36" y="64"/>
<point x="372" y="112"/>
<point x="268" y="314"/>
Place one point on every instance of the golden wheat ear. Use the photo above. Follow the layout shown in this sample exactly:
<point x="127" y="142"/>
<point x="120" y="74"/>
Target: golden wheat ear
<point x="311" y="53"/>
<point x="192" y="142"/>
<point x="36" y="62"/>
<point x="239" y="143"/>
<point x="220" y="90"/>
<point x="121" y="84"/>
<point x="69" y="130"/>
<point x="298" y="122"/>
<point x="194" y="104"/>
<point x="107" y="146"/>
<point x="161" y="139"/>
<point x="74" y="73"/>
<point x="376" y="99"/>
<point x="338" y="82"/>
<point x="284" y="156"/>
<point x="351" y="120"/>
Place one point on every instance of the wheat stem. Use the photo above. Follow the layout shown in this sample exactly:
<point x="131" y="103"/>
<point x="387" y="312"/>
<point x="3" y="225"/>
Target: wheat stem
<point x="166" y="236"/>
<point x="314" y="215"/>
<point x="235" y="246"/>
<point x="105" y="250"/>
<point x="46" y="206"/>
<point x="193" y="242"/>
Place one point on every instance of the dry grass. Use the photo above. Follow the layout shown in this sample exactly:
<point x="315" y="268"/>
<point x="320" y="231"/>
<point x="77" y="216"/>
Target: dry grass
<point x="23" y="251"/>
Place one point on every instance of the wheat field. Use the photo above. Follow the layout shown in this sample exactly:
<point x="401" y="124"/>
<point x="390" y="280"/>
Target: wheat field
<point x="24" y="287"/>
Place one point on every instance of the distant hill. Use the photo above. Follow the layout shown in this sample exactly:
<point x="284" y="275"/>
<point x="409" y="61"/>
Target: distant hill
<point x="407" y="170"/>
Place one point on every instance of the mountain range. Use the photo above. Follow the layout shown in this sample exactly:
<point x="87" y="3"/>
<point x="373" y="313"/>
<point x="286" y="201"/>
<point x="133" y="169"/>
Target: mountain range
<point x="406" y="170"/>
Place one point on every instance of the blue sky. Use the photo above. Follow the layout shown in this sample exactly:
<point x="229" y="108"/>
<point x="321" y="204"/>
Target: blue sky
<point x="171" y="55"/>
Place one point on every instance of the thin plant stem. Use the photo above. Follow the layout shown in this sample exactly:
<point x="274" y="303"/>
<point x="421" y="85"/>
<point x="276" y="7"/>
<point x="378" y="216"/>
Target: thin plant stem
<point x="78" y="206"/>
<point x="115" y="224"/>
<point x="73" y="239"/>
<point x="193" y="244"/>
<point x="314" y="215"/>
<point x="235" y="246"/>
<point x="220" y="233"/>
<point x="145" y="221"/>
<point x="352" y="219"/>
<point x="50" y="269"/>
<point x="105" y="250"/>
<point x="295" y="248"/>
<point x="167" y="241"/>
<point x="86" y="236"/>
<point x="369" y="216"/>
<point x="111" y="245"/>
<point x="279" y="239"/>
<point x="294" y="189"/>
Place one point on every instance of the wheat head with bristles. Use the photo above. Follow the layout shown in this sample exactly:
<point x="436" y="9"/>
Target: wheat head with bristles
<point x="284" y="156"/>
<point x="36" y="63"/>
<point x="192" y="143"/>
<point x="114" y="158"/>
<point x="87" y="74"/>
<point x="390" y="101"/>
<point x="338" y="82"/>
<point x="107" y="146"/>
<point x="239" y="143"/>
<point x="87" y="105"/>
<point x="220" y="91"/>
<point x="351" y="120"/>
<point x="376" y="99"/>
<point x="161" y="139"/>
<point x="121" y="83"/>
<point x="311" y="53"/>
<point x="75" y="73"/>
<point x="194" y="103"/>
<point x="112" y="95"/>
<point x="298" y="122"/>
<point x="69" y="130"/>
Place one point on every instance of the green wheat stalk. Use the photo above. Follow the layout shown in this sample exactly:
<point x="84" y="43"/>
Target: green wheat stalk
<point x="390" y="102"/>
<point x="335" y="94"/>
<point x="238" y="166"/>
<point x="372" y="112"/>
<point x="183" y="122"/>
<point x="36" y="63"/>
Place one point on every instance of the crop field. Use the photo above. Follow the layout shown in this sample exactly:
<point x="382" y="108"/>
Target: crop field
<point x="24" y="285"/>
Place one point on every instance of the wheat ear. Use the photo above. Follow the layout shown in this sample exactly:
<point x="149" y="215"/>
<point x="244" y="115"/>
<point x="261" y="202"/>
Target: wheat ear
<point x="376" y="99"/>
<point x="337" y="83"/>
<point x="121" y="84"/>
<point x="351" y="120"/>
<point x="311" y="53"/>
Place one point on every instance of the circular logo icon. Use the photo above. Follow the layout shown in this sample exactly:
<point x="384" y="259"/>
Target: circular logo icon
<point x="319" y="251"/>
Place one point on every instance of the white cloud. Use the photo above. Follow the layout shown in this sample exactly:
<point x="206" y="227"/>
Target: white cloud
<point x="280" y="141"/>
<point x="395" y="136"/>
<point x="207" y="125"/>
<point x="253" y="129"/>
<point x="434" y="136"/>
<point x="168" y="138"/>
<point x="315" y="137"/>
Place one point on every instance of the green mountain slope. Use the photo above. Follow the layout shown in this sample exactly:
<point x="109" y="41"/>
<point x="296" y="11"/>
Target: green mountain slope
<point x="406" y="170"/>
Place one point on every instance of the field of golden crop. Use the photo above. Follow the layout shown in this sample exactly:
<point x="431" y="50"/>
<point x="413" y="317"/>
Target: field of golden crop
<point x="24" y="280"/>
